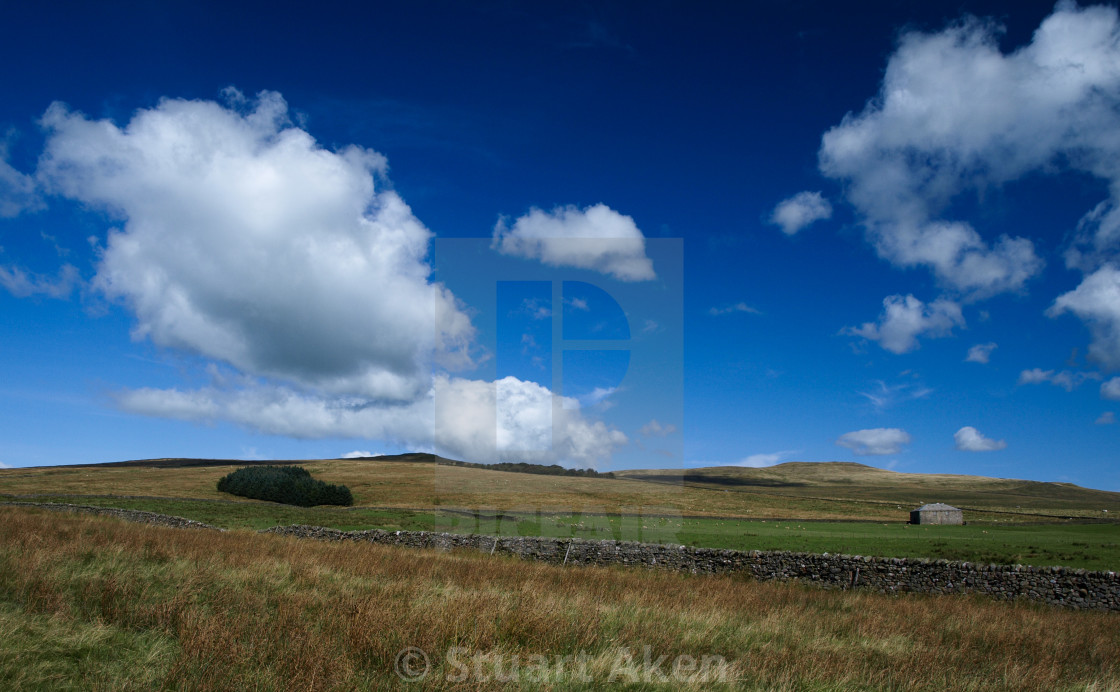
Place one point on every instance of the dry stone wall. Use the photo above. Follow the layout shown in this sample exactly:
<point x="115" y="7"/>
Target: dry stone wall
<point x="125" y="514"/>
<point x="1060" y="586"/>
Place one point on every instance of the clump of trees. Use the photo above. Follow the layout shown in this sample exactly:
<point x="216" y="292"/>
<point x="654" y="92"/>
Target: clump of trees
<point x="522" y="467"/>
<point x="291" y="485"/>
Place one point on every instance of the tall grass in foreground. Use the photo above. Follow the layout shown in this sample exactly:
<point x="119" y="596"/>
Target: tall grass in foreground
<point x="132" y="606"/>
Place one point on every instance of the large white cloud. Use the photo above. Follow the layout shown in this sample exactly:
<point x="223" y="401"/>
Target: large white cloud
<point x="1097" y="302"/>
<point x="245" y="241"/>
<point x="515" y="420"/>
<point x="799" y="211"/>
<point x="467" y="419"/>
<point x="597" y="238"/>
<point x="875" y="441"/>
<point x="955" y="114"/>
<point x="904" y="319"/>
<point x="969" y="439"/>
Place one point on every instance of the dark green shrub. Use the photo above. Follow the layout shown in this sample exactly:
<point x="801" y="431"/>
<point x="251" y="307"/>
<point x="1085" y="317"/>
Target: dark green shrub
<point x="291" y="485"/>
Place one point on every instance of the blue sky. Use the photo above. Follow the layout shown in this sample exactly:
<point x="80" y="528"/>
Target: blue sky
<point x="609" y="234"/>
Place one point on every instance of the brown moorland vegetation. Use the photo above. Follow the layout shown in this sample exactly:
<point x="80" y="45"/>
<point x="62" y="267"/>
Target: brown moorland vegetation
<point x="205" y="610"/>
<point x="829" y="491"/>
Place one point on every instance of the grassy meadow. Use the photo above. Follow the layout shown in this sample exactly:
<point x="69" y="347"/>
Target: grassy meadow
<point x="1091" y="546"/>
<point x="794" y="506"/>
<point x="95" y="603"/>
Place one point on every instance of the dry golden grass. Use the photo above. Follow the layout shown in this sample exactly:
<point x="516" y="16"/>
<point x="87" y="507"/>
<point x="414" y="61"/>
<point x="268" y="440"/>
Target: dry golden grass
<point x="425" y="485"/>
<point x="265" y="612"/>
<point x="787" y="491"/>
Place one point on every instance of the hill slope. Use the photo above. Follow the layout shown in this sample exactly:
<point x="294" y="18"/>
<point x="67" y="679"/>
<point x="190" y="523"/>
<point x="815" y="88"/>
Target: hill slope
<point x="852" y="481"/>
<point x="825" y="490"/>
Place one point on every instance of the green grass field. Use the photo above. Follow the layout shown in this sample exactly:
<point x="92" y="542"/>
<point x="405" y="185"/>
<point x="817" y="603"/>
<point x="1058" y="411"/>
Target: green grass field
<point x="830" y="507"/>
<point x="1089" y="546"/>
<point x="97" y="603"/>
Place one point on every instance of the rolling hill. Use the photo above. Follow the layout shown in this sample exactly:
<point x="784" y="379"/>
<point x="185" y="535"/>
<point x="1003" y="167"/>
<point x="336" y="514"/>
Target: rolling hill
<point x="812" y="507"/>
<point x="801" y="490"/>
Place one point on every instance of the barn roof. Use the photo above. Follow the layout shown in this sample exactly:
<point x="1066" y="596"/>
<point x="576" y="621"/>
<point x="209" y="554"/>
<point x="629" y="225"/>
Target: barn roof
<point x="937" y="506"/>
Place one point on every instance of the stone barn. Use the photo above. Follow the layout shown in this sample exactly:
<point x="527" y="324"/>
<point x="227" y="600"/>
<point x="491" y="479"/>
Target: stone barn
<point x="937" y="513"/>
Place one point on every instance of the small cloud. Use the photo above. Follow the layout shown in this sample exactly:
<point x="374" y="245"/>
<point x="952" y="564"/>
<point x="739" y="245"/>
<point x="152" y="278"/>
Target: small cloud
<point x="884" y="396"/>
<point x="875" y="441"/>
<point x="535" y="308"/>
<point x="17" y="190"/>
<point x="799" y="211"/>
<point x="904" y="319"/>
<point x="21" y="284"/>
<point x="737" y="307"/>
<point x="650" y="327"/>
<point x="980" y="353"/>
<point x="1107" y="418"/>
<point x="656" y="429"/>
<point x="1065" y="379"/>
<point x="969" y="439"/>
<point x="762" y="460"/>
<point x="577" y="304"/>
<point x="360" y="454"/>
<point x="1111" y="389"/>
<point x="1035" y="376"/>
<point x="596" y="397"/>
<point x="596" y="238"/>
<point x="4" y="466"/>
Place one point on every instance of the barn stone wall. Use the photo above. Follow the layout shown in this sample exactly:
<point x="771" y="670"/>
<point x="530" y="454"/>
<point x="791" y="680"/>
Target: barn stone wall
<point x="937" y="516"/>
<point x="1060" y="586"/>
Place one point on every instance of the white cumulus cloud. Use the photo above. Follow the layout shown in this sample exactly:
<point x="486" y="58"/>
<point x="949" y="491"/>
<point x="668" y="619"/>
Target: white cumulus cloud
<point x="955" y="114"/>
<point x="1097" y="302"/>
<point x="359" y="454"/>
<point x="459" y="418"/>
<point x="969" y="439"/>
<point x="875" y="441"/>
<point x="799" y="211"/>
<point x="904" y="319"/>
<point x="597" y="238"/>
<point x="1111" y="389"/>
<point x="513" y="420"/>
<point x="1106" y="418"/>
<point x="981" y="353"/>
<point x="245" y="241"/>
